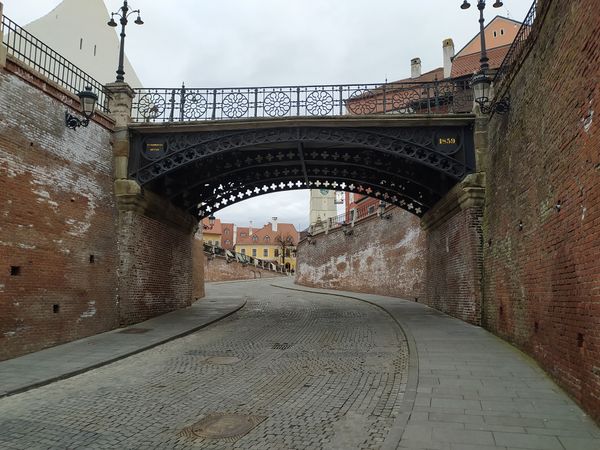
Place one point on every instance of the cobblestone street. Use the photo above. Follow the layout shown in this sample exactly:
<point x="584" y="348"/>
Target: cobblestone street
<point x="310" y="371"/>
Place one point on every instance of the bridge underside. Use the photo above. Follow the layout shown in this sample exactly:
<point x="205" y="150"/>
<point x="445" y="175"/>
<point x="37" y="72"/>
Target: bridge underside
<point x="202" y="168"/>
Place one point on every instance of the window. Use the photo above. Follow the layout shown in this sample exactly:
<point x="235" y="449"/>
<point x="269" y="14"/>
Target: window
<point x="266" y="252"/>
<point x="209" y="242"/>
<point x="254" y="238"/>
<point x="352" y="214"/>
<point x="242" y="234"/>
<point x="287" y="252"/>
<point x="243" y="251"/>
<point x="371" y="209"/>
<point x="254" y="252"/>
<point x="226" y="231"/>
<point x="351" y="197"/>
<point x="276" y="253"/>
<point x="267" y="239"/>
<point x="495" y="33"/>
<point x="227" y="242"/>
<point x="502" y="31"/>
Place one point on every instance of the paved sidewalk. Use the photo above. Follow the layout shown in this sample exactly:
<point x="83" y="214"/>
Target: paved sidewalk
<point x="66" y="360"/>
<point x="469" y="390"/>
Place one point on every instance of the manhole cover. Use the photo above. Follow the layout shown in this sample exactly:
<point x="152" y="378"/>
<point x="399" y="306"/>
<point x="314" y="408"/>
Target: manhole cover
<point x="282" y="346"/>
<point x="222" y="360"/>
<point x="223" y="426"/>
<point x="135" y="330"/>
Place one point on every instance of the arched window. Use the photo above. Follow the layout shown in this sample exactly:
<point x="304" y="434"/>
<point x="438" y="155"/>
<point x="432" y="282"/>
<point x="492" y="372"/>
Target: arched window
<point x="267" y="239"/>
<point x="254" y="238"/>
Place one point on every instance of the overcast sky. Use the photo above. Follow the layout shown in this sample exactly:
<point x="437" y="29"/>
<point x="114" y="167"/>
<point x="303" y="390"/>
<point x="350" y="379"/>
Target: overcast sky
<point x="227" y="43"/>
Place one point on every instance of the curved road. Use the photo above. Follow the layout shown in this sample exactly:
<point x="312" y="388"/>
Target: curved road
<point x="300" y="370"/>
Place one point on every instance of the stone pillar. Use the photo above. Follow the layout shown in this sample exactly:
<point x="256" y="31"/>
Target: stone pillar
<point x="3" y="49"/>
<point x="454" y="254"/>
<point x="155" y="238"/>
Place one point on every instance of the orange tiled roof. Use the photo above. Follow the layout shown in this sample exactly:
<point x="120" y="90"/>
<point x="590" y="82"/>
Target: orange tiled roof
<point x="469" y="64"/>
<point x="216" y="228"/>
<point x="283" y="229"/>
<point x="432" y="75"/>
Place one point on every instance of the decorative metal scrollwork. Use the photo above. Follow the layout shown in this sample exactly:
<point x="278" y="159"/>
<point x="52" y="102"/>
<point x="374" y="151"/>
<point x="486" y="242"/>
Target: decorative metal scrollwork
<point x="277" y="104"/>
<point x="405" y="101"/>
<point x="362" y="102"/>
<point x="319" y="103"/>
<point x="235" y="105"/>
<point x="195" y="106"/>
<point x="151" y="106"/>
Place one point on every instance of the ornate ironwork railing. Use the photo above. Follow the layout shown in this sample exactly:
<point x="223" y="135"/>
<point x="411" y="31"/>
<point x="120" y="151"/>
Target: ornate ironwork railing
<point x="345" y="219"/>
<point x="518" y="44"/>
<point x="199" y="104"/>
<point x="28" y="49"/>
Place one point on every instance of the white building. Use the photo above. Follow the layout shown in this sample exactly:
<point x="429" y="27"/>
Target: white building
<point x="322" y="205"/>
<point x="77" y="30"/>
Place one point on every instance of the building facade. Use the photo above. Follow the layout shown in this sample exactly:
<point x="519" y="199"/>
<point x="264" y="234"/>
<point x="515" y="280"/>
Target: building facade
<point x="275" y="242"/>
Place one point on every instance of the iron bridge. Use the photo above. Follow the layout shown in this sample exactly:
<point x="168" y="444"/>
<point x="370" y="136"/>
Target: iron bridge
<point x="407" y="144"/>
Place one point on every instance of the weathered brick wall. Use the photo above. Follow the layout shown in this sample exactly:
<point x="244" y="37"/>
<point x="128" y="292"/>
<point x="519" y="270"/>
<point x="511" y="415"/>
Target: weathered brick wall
<point x="218" y="269"/>
<point x="453" y="266"/>
<point x="542" y="280"/>
<point x="198" y="267"/>
<point x="57" y="229"/>
<point x="381" y="256"/>
<point x="155" y="269"/>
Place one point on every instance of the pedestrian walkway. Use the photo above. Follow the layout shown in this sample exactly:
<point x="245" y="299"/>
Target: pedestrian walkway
<point x="66" y="360"/>
<point x="469" y="390"/>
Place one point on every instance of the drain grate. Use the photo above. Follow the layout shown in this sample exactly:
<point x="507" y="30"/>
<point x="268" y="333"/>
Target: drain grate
<point x="282" y="346"/>
<point x="230" y="427"/>
<point x="134" y="330"/>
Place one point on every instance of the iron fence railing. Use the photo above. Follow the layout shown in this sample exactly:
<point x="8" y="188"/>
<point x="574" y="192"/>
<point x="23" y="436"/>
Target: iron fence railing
<point x="28" y="49"/>
<point x="516" y="49"/>
<point x="198" y="104"/>
<point x="348" y="218"/>
<point x="231" y="256"/>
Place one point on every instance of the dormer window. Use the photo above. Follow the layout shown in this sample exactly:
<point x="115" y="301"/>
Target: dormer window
<point x="254" y="238"/>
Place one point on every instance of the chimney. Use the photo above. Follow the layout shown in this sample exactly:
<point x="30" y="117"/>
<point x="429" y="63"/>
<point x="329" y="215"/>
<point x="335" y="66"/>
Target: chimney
<point x="274" y="224"/>
<point x="250" y="229"/>
<point x="415" y="67"/>
<point x="448" y="47"/>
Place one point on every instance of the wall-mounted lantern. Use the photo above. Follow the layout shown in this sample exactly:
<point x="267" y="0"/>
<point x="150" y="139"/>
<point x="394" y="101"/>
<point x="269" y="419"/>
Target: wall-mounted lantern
<point x="88" y="100"/>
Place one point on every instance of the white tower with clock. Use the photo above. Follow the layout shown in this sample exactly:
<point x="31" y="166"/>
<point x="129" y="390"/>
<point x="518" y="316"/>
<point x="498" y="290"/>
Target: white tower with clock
<point x="322" y="206"/>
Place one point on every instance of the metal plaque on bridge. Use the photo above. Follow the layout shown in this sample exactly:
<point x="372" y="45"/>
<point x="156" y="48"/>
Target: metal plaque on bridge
<point x="154" y="149"/>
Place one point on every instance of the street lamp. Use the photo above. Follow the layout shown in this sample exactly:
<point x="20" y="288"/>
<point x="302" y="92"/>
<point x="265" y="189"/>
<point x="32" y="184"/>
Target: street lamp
<point x="123" y="13"/>
<point x="481" y="82"/>
<point x="382" y="214"/>
<point x="88" y="100"/>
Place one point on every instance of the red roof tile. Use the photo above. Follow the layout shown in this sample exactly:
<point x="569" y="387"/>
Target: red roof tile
<point x="469" y="64"/>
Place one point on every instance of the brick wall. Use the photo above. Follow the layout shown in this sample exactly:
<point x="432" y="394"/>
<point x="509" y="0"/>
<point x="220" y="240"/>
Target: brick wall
<point x="57" y="228"/>
<point x="198" y="267"/>
<point x="542" y="279"/>
<point x="453" y="265"/>
<point x="155" y="268"/>
<point x="381" y="256"/>
<point x="218" y="269"/>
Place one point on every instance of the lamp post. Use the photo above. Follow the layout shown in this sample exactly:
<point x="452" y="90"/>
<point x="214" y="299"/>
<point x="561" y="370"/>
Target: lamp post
<point x="88" y="101"/>
<point x="481" y="82"/>
<point x="123" y="13"/>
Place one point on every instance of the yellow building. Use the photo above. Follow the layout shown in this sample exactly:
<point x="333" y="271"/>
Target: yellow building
<point x="212" y="234"/>
<point x="275" y="242"/>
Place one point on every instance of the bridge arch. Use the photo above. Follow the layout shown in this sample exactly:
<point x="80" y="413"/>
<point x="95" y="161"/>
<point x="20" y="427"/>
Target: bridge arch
<point x="203" y="167"/>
